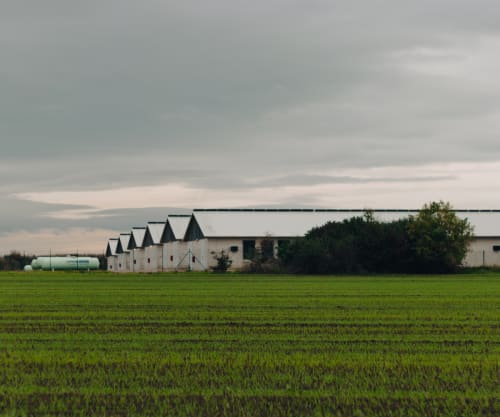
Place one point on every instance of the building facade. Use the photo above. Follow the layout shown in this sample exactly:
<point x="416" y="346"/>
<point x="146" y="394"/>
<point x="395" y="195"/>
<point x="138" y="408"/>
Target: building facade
<point x="192" y="242"/>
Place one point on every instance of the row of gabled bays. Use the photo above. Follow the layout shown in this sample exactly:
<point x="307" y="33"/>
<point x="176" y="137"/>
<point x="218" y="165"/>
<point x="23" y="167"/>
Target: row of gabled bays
<point x="192" y="241"/>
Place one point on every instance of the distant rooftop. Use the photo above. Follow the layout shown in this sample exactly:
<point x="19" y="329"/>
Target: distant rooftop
<point x="300" y="210"/>
<point x="296" y="222"/>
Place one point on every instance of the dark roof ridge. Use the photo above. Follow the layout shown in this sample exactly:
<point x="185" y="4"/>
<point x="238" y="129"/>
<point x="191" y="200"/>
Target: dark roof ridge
<point x="321" y="210"/>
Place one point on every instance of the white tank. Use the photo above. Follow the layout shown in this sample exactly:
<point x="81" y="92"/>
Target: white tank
<point x="65" y="263"/>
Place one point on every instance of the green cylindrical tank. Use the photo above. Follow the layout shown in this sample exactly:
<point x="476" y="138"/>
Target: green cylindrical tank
<point x="65" y="263"/>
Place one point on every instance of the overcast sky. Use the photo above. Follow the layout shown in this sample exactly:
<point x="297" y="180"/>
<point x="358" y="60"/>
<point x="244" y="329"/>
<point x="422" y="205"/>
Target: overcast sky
<point x="113" y="113"/>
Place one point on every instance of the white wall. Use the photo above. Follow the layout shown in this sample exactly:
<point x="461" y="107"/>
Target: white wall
<point x="175" y="255"/>
<point x="137" y="260"/>
<point x="481" y="253"/>
<point x="123" y="262"/>
<point x="197" y="259"/>
<point x="153" y="254"/>
<point x="204" y="250"/>
<point x="112" y="263"/>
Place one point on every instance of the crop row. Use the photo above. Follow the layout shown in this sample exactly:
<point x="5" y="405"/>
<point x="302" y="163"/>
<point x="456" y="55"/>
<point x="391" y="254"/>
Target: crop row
<point x="209" y="345"/>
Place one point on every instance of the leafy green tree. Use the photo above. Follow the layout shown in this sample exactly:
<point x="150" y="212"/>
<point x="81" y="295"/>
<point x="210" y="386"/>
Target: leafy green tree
<point x="435" y="240"/>
<point x="439" y="238"/>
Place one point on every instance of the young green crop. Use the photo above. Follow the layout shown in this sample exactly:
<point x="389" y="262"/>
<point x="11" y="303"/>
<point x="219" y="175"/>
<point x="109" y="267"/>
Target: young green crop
<point x="98" y="344"/>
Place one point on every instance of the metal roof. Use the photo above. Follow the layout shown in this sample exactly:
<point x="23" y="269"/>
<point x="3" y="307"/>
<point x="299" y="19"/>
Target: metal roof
<point x="155" y="230"/>
<point x="138" y="235"/>
<point x="293" y="223"/>
<point x="178" y="225"/>
<point x="124" y="241"/>
<point x="262" y="223"/>
<point x="112" y="245"/>
<point x="486" y="223"/>
<point x="358" y="210"/>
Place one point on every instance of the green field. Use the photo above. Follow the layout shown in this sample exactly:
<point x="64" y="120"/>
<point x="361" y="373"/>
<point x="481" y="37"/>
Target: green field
<point x="234" y="345"/>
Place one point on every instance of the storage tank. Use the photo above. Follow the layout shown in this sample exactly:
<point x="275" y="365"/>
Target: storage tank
<point x="65" y="263"/>
<point x="28" y="268"/>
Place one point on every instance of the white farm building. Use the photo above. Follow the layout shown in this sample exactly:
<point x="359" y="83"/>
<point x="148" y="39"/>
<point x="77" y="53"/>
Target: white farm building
<point x="111" y="254"/>
<point x="189" y="242"/>
<point x="152" y="247"/>
<point x="123" y="254"/>
<point x="136" y="248"/>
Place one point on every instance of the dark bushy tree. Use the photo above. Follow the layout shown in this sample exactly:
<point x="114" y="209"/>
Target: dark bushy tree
<point x="439" y="238"/>
<point x="14" y="261"/>
<point x="434" y="241"/>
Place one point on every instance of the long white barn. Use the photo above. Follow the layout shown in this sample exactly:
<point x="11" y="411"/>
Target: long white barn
<point x="189" y="242"/>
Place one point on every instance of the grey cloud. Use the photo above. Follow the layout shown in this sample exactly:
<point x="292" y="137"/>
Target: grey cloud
<point x="303" y="180"/>
<point x="103" y="94"/>
<point x="33" y="216"/>
<point x="93" y="173"/>
<point x="29" y="215"/>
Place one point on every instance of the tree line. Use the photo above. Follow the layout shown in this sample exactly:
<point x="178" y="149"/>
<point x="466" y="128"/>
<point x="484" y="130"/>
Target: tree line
<point x="16" y="261"/>
<point x="433" y="241"/>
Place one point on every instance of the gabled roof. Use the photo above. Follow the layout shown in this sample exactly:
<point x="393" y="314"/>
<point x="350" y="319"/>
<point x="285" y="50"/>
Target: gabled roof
<point x="293" y="223"/>
<point x="123" y="242"/>
<point x="486" y="223"/>
<point x="178" y="224"/>
<point x="153" y="234"/>
<point x="137" y="238"/>
<point x="259" y="223"/>
<point x="111" y="248"/>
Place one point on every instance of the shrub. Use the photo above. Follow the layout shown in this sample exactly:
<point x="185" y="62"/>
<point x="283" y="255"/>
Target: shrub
<point x="223" y="261"/>
<point x="264" y="261"/>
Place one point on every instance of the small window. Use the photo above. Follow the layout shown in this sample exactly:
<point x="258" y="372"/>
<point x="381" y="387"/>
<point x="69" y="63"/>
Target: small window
<point x="135" y="262"/>
<point x="282" y="243"/>
<point x="267" y="248"/>
<point x="283" y="246"/>
<point x="248" y="249"/>
<point x="149" y="260"/>
<point x="119" y="266"/>
<point x="171" y="258"/>
<point x="233" y="249"/>
<point x="111" y="267"/>
<point x="496" y="248"/>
